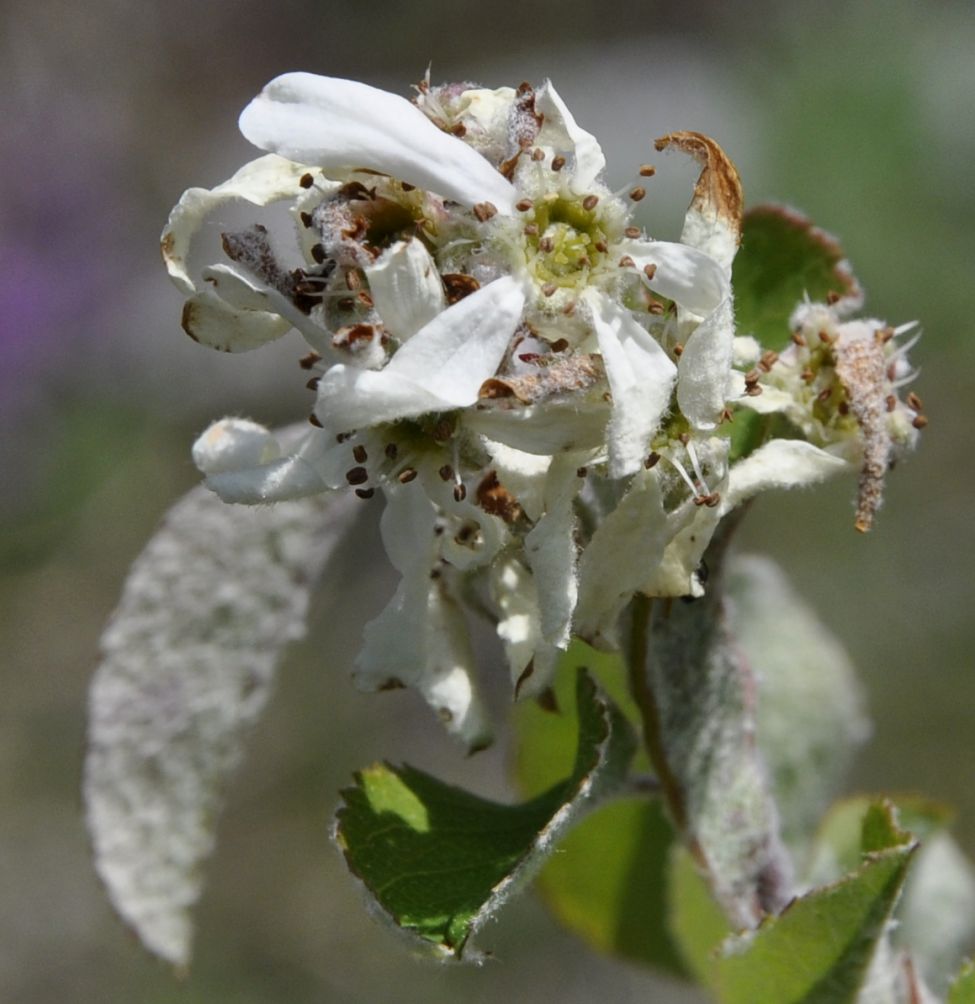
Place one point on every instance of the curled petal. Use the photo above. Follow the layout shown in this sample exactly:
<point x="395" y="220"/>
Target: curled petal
<point x="440" y="368"/>
<point x="713" y="220"/>
<point x="406" y="289"/>
<point x="345" y="124"/>
<point x="232" y="444"/>
<point x="641" y="376"/>
<point x="782" y="463"/>
<point x="211" y="321"/>
<point x="569" y="136"/>
<point x="691" y="278"/>
<point x="704" y="375"/>
<point x="261" y="182"/>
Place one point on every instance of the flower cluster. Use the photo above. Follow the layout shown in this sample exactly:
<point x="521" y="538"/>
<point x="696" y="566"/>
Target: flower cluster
<point x="541" y="392"/>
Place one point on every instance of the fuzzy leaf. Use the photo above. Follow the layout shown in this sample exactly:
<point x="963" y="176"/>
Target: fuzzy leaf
<point x="819" y="950"/>
<point x="440" y="861"/>
<point x="607" y="881"/>
<point x="810" y="712"/>
<point x="187" y="664"/>
<point x="783" y="258"/>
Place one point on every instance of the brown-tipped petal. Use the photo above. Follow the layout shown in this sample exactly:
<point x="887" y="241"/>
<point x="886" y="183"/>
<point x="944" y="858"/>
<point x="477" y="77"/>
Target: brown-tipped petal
<point x="713" y="221"/>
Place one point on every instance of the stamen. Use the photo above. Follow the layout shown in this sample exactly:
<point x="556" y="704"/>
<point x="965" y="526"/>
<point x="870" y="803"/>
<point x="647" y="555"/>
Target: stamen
<point x="524" y="205"/>
<point x="365" y="493"/>
<point x="557" y="162"/>
<point x="359" y="453"/>
<point x="406" y="475"/>
<point x="391" y="451"/>
<point x="638" y="193"/>
<point x="307" y="362"/>
<point x="313" y="383"/>
<point x="650" y="270"/>
<point x="460" y="491"/>
<point x="692" y="453"/>
<point x="446" y="473"/>
<point x="679" y="467"/>
<point x="647" y="170"/>
<point x="306" y="181"/>
<point x="538" y="154"/>
<point x="313" y="418"/>
<point x="653" y="458"/>
<point x="632" y="232"/>
<point x="590" y="202"/>
<point x="484" y="211"/>
<point x="905" y="380"/>
<point x="357" y="476"/>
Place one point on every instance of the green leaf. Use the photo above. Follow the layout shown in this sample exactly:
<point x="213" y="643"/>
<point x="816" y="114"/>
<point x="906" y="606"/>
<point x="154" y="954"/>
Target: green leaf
<point x="695" y="920"/>
<point x="819" y="950"/>
<point x="782" y="258"/>
<point x="810" y="711"/>
<point x="963" y="989"/>
<point x="440" y="861"/>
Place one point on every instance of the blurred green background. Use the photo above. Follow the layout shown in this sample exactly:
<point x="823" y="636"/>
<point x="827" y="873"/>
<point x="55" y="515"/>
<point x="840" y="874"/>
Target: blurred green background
<point x="861" y="115"/>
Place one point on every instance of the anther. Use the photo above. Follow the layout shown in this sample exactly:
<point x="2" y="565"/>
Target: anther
<point x="825" y="338"/>
<point x="357" y="476"/>
<point x="446" y="473"/>
<point x="883" y="335"/>
<point x="546" y="245"/>
<point x="824" y="395"/>
<point x="602" y="247"/>
<point x="797" y="338"/>
<point x="364" y="298"/>
<point x="920" y="421"/>
<point x="754" y="390"/>
<point x="343" y="437"/>
<point x="365" y="493"/>
<point x="581" y="472"/>
<point x="807" y="376"/>
<point x="306" y="362"/>
<point x="752" y="377"/>
<point x="891" y="402"/>
<point x="678" y="350"/>
<point x="484" y="211"/>
<point x="590" y="202"/>
<point x="524" y="205"/>
<point x="712" y="500"/>
<point x="313" y="383"/>
<point x="627" y="262"/>
<point x="391" y="451"/>
<point x="832" y="297"/>
<point x="768" y="360"/>
<point x="306" y="181"/>
<point x="538" y="154"/>
<point x="653" y="458"/>
<point x="647" y="170"/>
<point x="407" y="187"/>
<point x="406" y="475"/>
<point x="353" y="280"/>
<point x="632" y="232"/>
<point x="531" y="230"/>
<point x="650" y="270"/>
<point x="313" y="418"/>
<point x="558" y="163"/>
<point x="549" y="289"/>
<point x="306" y="219"/>
<point x="318" y="253"/>
<point x="638" y="193"/>
<point x="584" y="261"/>
<point x="359" y="453"/>
<point x="460" y="491"/>
<point x="914" y="402"/>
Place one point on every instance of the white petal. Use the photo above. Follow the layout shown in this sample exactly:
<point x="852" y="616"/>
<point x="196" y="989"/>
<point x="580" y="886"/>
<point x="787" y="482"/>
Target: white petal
<point x="551" y="551"/>
<point x="523" y="474"/>
<point x="641" y="376"/>
<point x="261" y="182"/>
<point x="440" y="368"/>
<point x="569" y="137"/>
<point x="406" y="289"/>
<point x="543" y="429"/>
<point x="234" y="443"/>
<point x="345" y="124"/>
<point x="188" y="661"/>
<point x="621" y="556"/>
<point x="781" y="463"/>
<point x="211" y="321"/>
<point x="293" y="476"/>
<point x="691" y="278"/>
<point x="704" y="368"/>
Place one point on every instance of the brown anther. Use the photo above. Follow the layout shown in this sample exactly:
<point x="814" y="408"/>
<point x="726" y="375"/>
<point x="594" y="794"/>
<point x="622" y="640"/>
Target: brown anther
<point x="581" y="472"/>
<point x="560" y="344"/>
<point x="647" y="170"/>
<point x="632" y="232"/>
<point x="359" y="453"/>
<point x="833" y="297"/>
<point x="883" y="335"/>
<point x="824" y="395"/>
<point x="306" y="219"/>
<point x="407" y="187"/>
<point x="353" y="280"/>
<point x="684" y="438"/>
<point x="558" y="163"/>
<point x="546" y="245"/>
<point x="523" y="205"/>
<point x="797" y="338"/>
<point x="627" y="262"/>
<point x="590" y="202"/>
<point x="465" y="533"/>
<point x="754" y="390"/>
<point x="653" y="458"/>
<point x="538" y="154"/>
<point x="365" y="493"/>
<point x="406" y="475"/>
<point x="752" y="377"/>
<point x="726" y="415"/>
<point x="920" y="421"/>
<point x="678" y="350"/>
<point x="391" y="451"/>
<point x="549" y="289"/>
<point x="343" y="437"/>
<point x="638" y="193"/>
<point x="357" y="476"/>
<point x="446" y="473"/>
<point x="306" y="181"/>
<point x="458" y="129"/>
<point x="484" y="211"/>
<point x="584" y="262"/>
<point x="306" y="362"/>
<point x="460" y="492"/>
<point x="712" y="500"/>
<point x="807" y="376"/>
<point x="364" y="298"/>
<point x="318" y="253"/>
<point x="650" y="270"/>
<point x="768" y="360"/>
<point x="443" y="429"/>
<point x="700" y="500"/>
<point x="531" y="230"/>
<point x="313" y="383"/>
<point x="457" y="285"/>
<point x="825" y="338"/>
<point x="496" y="500"/>
<point x="602" y="247"/>
<point x="654" y="306"/>
<point x="914" y="402"/>
<point x="313" y="418"/>
<point x="891" y="402"/>
<point x="843" y="408"/>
